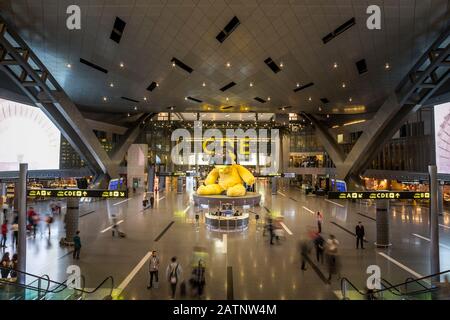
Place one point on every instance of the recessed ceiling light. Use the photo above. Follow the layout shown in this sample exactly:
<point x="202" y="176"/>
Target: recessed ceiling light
<point x="344" y="85"/>
<point x="227" y="115"/>
<point x="69" y="65"/>
<point x="157" y="84"/>
<point x="135" y="107"/>
<point x="228" y="64"/>
<point x="105" y="98"/>
<point x="320" y="108"/>
<point x="387" y="66"/>
<point x="128" y="114"/>
<point x="298" y="84"/>
<point x="309" y="99"/>
<point x="227" y="99"/>
<point x="251" y="84"/>
<point x="121" y="65"/>
<point x="283" y="108"/>
<point x="328" y="115"/>
<point x="185" y="98"/>
<point x="350" y="99"/>
<point x="335" y="65"/>
<point x="145" y="98"/>
<point x="268" y="99"/>
<point x="171" y="108"/>
<point x="204" y="84"/>
<point x="173" y="64"/>
<point x="111" y="85"/>
<point x="281" y="65"/>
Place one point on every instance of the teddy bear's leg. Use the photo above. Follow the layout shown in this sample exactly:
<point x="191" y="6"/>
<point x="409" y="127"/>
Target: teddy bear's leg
<point x="236" y="191"/>
<point x="209" y="190"/>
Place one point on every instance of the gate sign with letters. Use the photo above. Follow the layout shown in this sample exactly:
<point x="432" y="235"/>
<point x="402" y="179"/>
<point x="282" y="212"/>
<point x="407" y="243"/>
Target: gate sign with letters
<point x="390" y="195"/>
<point x="77" y="193"/>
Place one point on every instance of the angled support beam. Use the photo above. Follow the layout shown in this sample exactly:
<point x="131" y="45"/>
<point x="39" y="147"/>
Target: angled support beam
<point x="333" y="149"/>
<point x="130" y="137"/>
<point x="54" y="102"/>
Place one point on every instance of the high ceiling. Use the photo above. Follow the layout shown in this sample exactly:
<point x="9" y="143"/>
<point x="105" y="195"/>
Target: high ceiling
<point x="290" y="32"/>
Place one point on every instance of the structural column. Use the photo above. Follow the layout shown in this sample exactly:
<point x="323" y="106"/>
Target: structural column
<point x="274" y="185"/>
<point x="21" y="195"/>
<point x="383" y="239"/>
<point x="434" y="222"/>
<point x="71" y="220"/>
<point x="440" y="198"/>
<point x="180" y="185"/>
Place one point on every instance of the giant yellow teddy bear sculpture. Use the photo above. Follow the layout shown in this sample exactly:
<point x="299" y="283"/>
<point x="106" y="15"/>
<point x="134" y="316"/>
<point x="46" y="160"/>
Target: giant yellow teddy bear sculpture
<point x="227" y="178"/>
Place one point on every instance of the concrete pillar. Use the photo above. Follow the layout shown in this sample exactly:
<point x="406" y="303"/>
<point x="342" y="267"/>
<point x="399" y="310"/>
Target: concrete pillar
<point x="151" y="179"/>
<point x="71" y="219"/>
<point x="440" y="197"/>
<point x="21" y="195"/>
<point x="434" y="222"/>
<point x="274" y="185"/>
<point x="180" y="185"/>
<point x="383" y="239"/>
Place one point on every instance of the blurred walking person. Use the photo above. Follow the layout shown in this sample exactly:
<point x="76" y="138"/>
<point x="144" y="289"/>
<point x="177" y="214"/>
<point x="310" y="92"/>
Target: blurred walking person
<point x="174" y="273"/>
<point x="5" y="265"/>
<point x="319" y="221"/>
<point x="198" y="279"/>
<point x="76" y="246"/>
<point x="153" y="269"/>
<point x="4" y="233"/>
<point x="331" y="251"/>
<point x="15" y="232"/>
<point x="319" y="244"/>
<point x="305" y="249"/>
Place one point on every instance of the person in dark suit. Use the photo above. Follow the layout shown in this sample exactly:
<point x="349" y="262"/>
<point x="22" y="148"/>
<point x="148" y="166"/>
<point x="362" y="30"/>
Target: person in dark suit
<point x="360" y="235"/>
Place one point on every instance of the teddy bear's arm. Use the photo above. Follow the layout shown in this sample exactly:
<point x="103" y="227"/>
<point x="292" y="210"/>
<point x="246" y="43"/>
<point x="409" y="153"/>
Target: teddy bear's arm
<point x="246" y="175"/>
<point x="212" y="177"/>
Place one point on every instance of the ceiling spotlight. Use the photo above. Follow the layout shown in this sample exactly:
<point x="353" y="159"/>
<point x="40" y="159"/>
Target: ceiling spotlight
<point x="387" y="66"/>
<point x="281" y="65"/>
<point x="328" y="115"/>
<point x="111" y="85"/>
<point x="335" y="65"/>
<point x="268" y="99"/>
<point x="251" y="84"/>
<point x="320" y="108"/>
<point x="105" y="98"/>
<point x="344" y="85"/>
<point x="185" y="98"/>
<point x="227" y="99"/>
<point x="69" y="65"/>
<point x="128" y="115"/>
<point x="350" y="99"/>
<point x="135" y="107"/>
<point x="145" y="98"/>
<point x="171" y="108"/>
<point x="204" y="84"/>
<point x="283" y="108"/>
<point x="173" y="64"/>
<point x="157" y="84"/>
<point x="309" y="99"/>
<point x="298" y="84"/>
<point x="228" y="64"/>
<point x="121" y="65"/>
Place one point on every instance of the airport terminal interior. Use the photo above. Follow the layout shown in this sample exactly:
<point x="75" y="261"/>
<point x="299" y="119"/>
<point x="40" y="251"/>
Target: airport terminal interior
<point x="225" y="150"/>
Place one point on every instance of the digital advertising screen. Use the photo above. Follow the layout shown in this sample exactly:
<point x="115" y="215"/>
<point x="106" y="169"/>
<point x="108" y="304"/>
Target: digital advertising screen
<point x="442" y="137"/>
<point x="27" y="136"/>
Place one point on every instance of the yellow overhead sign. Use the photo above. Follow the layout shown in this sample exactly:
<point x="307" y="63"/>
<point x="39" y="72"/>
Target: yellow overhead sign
<point x="390" y="195"/>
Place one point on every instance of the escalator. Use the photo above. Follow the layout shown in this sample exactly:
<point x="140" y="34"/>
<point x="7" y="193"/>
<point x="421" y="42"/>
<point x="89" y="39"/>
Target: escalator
<point x="43" y="288"/>
<point x="411" y="289"/>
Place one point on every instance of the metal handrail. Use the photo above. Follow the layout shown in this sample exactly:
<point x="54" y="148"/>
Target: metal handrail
<point x="409" y="279"/>
<point x="344" y="282"/>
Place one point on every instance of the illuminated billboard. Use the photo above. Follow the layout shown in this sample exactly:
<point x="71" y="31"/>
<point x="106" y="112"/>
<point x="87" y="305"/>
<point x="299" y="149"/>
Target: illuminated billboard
<point x="442" y="137"/>
<point x="27" y="136"/>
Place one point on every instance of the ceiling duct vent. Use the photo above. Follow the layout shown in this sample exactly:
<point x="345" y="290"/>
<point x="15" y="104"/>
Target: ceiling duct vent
<point x="93" y="65"/>
<point x="117" y="32"/>
<point x="324" y="100"/>
<point x="342" y="28"/>
<point x="229" y="28"/>
<point x="361" y="65"/>
<point x="304" y="87"/>
<point x="228" y="86"/>
<point x="272" y="65"/>
<point x="129" y="99"/>
<point x="260" y="100"/>
<point x="182" y="65"/>
<point x="152" y="86"/>
<point x="195" y="100"/>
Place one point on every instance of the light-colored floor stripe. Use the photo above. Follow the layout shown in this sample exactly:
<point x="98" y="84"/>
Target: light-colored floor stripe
<point x="133" y="272"/>
<point x="225" y="243"/>
<point x="110" y="227"/>
<point x="161" y="198"/>
<point x="187" y="208"/>
<point x="429" y="240"/>
<point x="123" y="201"/>
<point x="282" y="193"/>
<point x="308" y="209"/>
<point x="335" y="203"/>
<point x="415" y="274"/>
<point x="286" y="228"/>
<point x="444" y="226"/>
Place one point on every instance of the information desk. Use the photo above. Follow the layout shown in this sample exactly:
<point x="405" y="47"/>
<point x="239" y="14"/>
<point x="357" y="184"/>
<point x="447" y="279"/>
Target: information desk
<point x="227" y="223"/>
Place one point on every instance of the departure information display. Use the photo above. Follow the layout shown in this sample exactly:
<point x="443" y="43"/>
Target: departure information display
<point x="401" y="195"/>
<point x="77" y="193"/>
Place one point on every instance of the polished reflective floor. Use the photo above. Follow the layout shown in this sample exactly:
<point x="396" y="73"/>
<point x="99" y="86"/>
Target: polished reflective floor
<point x="239" y="265"/>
